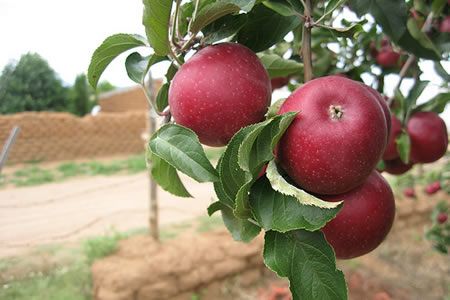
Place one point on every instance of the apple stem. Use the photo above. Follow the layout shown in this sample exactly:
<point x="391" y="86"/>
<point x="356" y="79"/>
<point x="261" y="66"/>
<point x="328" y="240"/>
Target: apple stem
<point x="306" y="41"/>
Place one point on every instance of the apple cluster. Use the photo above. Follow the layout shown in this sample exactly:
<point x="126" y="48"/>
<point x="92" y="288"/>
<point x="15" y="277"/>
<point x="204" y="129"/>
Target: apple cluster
<point x="429" y="140"/>
<point x="331" y="149"/>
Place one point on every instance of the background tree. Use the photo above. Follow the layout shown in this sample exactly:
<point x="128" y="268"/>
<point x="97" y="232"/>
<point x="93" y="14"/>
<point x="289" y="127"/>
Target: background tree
<point x="80" y="96"/>
<point x="83" y="97"/>
<point x="31" y="85"/>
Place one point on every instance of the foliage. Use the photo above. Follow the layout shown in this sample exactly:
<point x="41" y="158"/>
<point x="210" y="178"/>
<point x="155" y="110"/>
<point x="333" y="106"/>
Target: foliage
<point x="276" y="29"/>
<point x="79" y="96"/>
<point x="439" y="233"/>
<point x="31" y="85"/>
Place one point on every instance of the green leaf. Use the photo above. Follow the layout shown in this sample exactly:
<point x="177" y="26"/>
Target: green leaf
<point x="282" y="213"/>
<point x="245" y="5"/>
<point x="162" y="99"/>
<point x="415" y="92"/>
<point x="403" y="146"/>
<point x="274" y="108"/>
<point x="281" y="8"/>
<point x="219" y="188"/>
<point x="216" y="206"/>
<point x="232" y="177"/>
<point x="240" y="229"/>
<point x="156" y="21"/>
<point x="254" y="152"/>
<point x="436" y="104"/>
<point x="392" y="16"/>
<point x="211" y="13"/>
<point x="441" y="71"/>
<point x="347" y="32"/>
<point x="280" y="184"/>
<point x="111" y="47"/>
<point x="224" y="27"/>
<point x="421" y="36"/>
<point x="277" y="66"/>
<point x="265" y="28"/>
<point x="437" y="6"/>
<point x="246" y="153"/>
<point x="137" y="66"/>
<point x="307" y="260"/>
<point x="331" y="6"/>
<point x="171" y="71"/>
<point x="180" y="147"/>
<point x="166" y="176"/>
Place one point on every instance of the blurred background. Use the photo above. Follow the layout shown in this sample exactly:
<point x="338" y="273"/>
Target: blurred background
<point x="74" y="193"/>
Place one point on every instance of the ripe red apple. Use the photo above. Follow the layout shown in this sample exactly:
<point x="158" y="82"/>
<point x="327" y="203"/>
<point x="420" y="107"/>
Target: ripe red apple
<point x="445" y="25"/>
<point x="428" y="134"/>
<point x="397" y="166"/>
<point x="279" y="82"/>
<point x="391" y="151"/>
<point x="337" y="137"/>
<point x="384" y="106"/>
<point x="433" y="188"/>
<point x="221" y="89"/>
<point x="387" y="57"/>
<point x="364" y="221"/>
<point x="409" y="192"/>
<point x="442" y="218"/>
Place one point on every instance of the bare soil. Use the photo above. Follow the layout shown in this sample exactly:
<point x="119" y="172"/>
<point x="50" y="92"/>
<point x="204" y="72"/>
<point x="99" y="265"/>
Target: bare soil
<point x="67" y="211"/>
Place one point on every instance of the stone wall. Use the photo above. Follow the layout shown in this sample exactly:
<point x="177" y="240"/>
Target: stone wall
<point x="49" y="136"/>
<point x="145" y="270"/>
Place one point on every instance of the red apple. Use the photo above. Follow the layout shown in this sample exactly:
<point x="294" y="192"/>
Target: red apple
<point x="384" y="106"/>
<point x="442" y="218"/>
<point x="433" y="188"/>
<point x="397" y="166"/>
<point x="387" y="57"/>
<point x="428" y="134"/>
<point x="364" y="221"/>
<point x="391" y="151"/>
<point x="221" y="89"/>
<point x="409" y="192"/>
<point x="445" y="25"/>
<point x="262" y="172"/>
<point x="279" y="82"/>
<point x="336" y="139"/>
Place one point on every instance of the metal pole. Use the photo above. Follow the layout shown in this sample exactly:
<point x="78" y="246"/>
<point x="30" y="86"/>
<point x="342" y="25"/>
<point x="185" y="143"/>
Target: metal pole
<point x="9" y="143"/>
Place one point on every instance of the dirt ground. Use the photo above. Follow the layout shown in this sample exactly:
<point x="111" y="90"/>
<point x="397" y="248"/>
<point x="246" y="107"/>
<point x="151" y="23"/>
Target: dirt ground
<point x="67" y="211"/>
<point x="403" y="267"/>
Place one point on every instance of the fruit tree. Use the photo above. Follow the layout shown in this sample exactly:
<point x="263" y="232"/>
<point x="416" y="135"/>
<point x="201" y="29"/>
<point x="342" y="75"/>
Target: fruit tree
<point x="304" y="170"/>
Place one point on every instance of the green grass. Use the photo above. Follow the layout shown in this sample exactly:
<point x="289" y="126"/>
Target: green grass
<point x="56" y="272"/>
<point x="35" y="175"/>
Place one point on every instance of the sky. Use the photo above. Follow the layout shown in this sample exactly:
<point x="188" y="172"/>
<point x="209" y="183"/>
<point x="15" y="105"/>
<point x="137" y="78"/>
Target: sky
<point x="66" y="33"/>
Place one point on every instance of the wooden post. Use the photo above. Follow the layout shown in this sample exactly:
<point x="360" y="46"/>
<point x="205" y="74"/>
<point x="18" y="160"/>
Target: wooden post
<point x="153" y="187"/>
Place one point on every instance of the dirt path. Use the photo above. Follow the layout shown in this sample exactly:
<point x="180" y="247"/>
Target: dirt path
<point x="61" y="212"/>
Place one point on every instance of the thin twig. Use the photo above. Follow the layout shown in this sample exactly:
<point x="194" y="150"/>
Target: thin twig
<point x="411" y="58"/>
<point x="194" y="15"/>
<point x="306" y="42"/>
<point x="151" y="99"/>
<point x="175" y="32"/>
